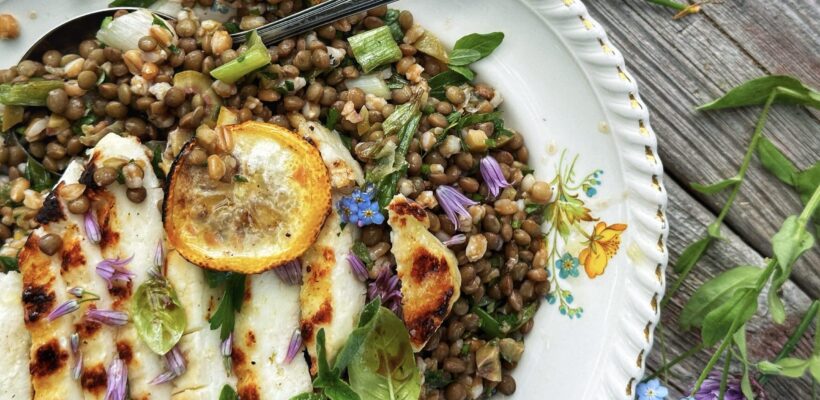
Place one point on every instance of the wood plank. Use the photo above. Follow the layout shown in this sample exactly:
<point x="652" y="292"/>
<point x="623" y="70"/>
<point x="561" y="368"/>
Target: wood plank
<point x="687" y="219"/>
<point x="780" y="35"/>
<point x="680" y="64"/>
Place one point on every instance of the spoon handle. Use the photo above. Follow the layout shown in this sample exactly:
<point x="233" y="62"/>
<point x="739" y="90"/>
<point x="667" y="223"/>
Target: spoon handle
<point x="309" y="19"/>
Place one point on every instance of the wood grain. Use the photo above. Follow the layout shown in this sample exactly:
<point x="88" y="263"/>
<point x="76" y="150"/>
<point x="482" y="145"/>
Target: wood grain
<point x="681" y="64"/>
<point x="686" y="219"/>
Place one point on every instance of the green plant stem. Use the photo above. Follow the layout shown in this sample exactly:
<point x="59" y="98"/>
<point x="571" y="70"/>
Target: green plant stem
<point x="714" y="228"/>
<point x="670" y="3"/>
<point x="798" y="333"/>
<point x="807" y="212"/>
<point x="665" y="367"/>
<point x="724" y="379"/>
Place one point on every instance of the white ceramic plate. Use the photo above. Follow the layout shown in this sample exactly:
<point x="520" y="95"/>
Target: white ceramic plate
<point x="567" y="91"/>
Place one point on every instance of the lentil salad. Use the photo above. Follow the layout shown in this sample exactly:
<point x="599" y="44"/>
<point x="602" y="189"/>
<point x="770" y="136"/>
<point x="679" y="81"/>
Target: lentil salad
<point x="460" y="143"/>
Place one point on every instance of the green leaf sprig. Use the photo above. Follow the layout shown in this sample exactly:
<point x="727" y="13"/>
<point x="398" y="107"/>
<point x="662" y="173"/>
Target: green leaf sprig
<point x="158" y="315"/>
<point x="722" y="306"/>
<point x="231" y="303"/>
<point x="467" y="50"/>
<point x="683" y="9"/>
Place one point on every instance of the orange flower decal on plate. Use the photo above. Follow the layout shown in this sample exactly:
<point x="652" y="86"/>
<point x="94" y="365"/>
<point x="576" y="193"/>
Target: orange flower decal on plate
<point x="602" y="246"/>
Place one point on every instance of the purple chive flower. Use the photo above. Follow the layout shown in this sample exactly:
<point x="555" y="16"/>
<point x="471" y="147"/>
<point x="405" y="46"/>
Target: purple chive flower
<point x="74" y="340"/>
<point x="159" y="254"/>
<point x="387" y="287"/>
<point x="77" y="369"/>
<point x="66" y="308"/>
<point x="92" y="228"/>
<point x="357" y="265"/>
<point x="175" y="360"/>
<point x="107" y="317"/>
<point x="710" y="389"/>
<point x="113" y="269"/>
<point x="290" y="273"/>
<point x="77" y="291"/>
<point x="454" y="203"/>
<point x="455" y="240"/>
<point x="117" y="380"/>
<point x="294" y="346"/>
<point x="491" y="172"/>
<point x="164" y="377"/>
<point x="226" y="348"/>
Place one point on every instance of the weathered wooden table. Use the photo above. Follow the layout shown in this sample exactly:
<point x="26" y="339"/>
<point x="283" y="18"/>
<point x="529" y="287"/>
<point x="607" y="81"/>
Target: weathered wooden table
<point x="683" y="63"/>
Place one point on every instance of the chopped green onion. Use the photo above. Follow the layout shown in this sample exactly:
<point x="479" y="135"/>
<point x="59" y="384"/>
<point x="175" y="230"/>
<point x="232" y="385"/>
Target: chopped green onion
<point x="370" y="84"/>
<point x="124" y="32"/>
<point x="374" y="48"/>
<point x="401" y="116"/>
<point x="29" y="93"/>
<point x="252" y="59"/>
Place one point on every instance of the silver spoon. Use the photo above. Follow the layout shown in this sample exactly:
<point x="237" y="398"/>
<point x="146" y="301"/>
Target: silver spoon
<point x="71" y="32"/>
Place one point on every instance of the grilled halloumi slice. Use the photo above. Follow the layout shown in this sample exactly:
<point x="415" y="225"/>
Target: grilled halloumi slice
<point x="344" y="170"/>
<point x="131" y="229"/>
<point x="262" y="334"/>
<point x="79" y="260"/>
<point x="428" y="270"/>
<point x="44" y="290"/>
<point x="15" y="381"/>
<point x="331" y="296"/>
<point x="206" y="374"/>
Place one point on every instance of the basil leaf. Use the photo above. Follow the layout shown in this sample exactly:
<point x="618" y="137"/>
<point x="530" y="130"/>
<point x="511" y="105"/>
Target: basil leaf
<point x="463" y="71"/>
<point x="39" y="177"/>
<point x="464" y="57"/>
<point x="775" y="162"/>
<point x="8" y="263"/>
<point x="438" y="84"/>
<point x="484" y="44"/>
<point x="327" y="379"/>
<point x="385" y="368"/>
<point x="692" y="254"/>
<point x="158" y="315"/>
<point x="756" y="91"/>
<point x="716" y="187"/>
<point x="716" y="292"/>
<point x="228" y="393"/>
<point x="356" y="338"/>
<point x="733" y="313"/>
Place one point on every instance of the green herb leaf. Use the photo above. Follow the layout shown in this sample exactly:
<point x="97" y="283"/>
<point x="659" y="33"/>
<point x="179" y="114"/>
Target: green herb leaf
<point x="38" y="176"/>
<point x="775" y="162"/>
<point x="814" y="368"/>
<point x="225" y="315"/>
<point x="357" y="337"/>
<point x="484" y="44"/>
<point x="360" y="250"/>
<point x="333" y="117"/>
<point x="385" y="368"/>
<point x="790" y="242"/>
<point x="715" y="292"/>
<point x="731" y="314"/>
<point x="790" y="367"/>
<point x="158" y="315"/>
<point x="308" y="396"/>
<point x="739" y="339"/>
<point x="755" y="92"/>
<point x="717" y="186"/>
<point x="488" y="323"/>
<point x="436" y="379"/>
<point x="157" y="147"/>
<point x="438" y="84"/>
<point x="692" y="254"/>
<point x="463" y="71"/>
<point x="327" y="379"/>
<point x="232" y="27"/>
<point x="8" y="263"/>
<point x="388" y="186"/>
<point x="228" y="393"/>
<point x="464" y="56"/>
<point x="240" y="179"/>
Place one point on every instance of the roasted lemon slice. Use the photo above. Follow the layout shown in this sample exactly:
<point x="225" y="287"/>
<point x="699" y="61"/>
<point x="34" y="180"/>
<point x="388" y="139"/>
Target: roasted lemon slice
<point x="266" y="213"/>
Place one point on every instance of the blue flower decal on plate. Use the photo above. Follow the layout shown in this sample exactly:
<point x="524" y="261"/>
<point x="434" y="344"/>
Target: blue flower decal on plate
<point x="567" y="266"/>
